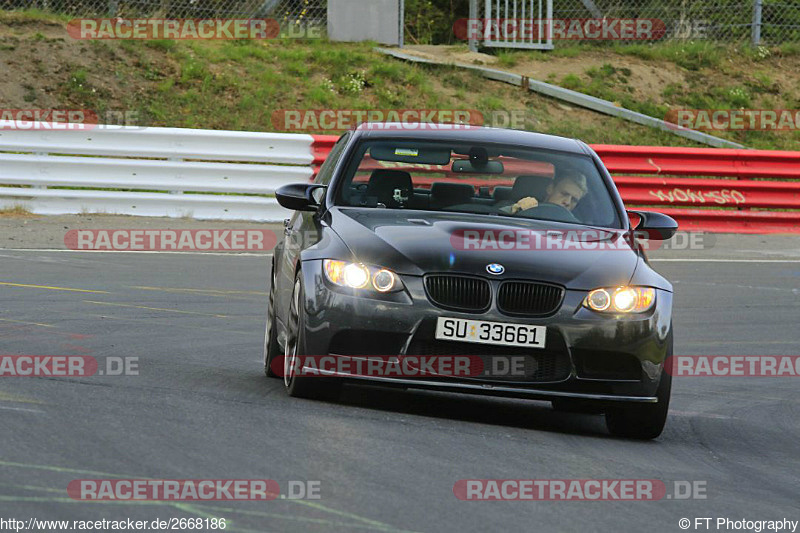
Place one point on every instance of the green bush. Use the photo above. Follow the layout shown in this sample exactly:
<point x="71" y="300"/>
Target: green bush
<point x="431" y="21"/>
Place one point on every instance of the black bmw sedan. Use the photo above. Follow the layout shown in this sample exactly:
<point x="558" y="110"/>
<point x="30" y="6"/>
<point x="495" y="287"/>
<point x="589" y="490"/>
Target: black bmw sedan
<point x="472" y="260"/>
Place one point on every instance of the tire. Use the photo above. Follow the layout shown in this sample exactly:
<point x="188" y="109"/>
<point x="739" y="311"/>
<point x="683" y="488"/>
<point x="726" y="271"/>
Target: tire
<point x="271" y="346"/>
<point x="644" y="422"/>
<point x="310" y="387"/>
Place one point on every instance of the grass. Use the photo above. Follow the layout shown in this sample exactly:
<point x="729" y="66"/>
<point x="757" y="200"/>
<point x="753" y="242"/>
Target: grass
<point x="244" y="85"/>
<point x="241" y="85"/>
<point x="611" y="83"/>
<point x="509" y="59"/>
<point x="716" y="77"/>
<point x="160" y="44"/>
<point x="691" y="55"/>
<point x="26" y="15"/>
<point x="15" y="211"/>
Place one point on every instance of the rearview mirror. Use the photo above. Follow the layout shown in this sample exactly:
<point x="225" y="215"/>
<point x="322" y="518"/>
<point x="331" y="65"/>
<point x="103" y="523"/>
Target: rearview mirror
<point x="654" y="226"/>
<point x="299" y="196"/>
<point x="465" y="166"/>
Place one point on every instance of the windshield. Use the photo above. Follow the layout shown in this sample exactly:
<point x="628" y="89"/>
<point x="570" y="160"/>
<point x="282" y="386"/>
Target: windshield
<point x="483" y="179"/>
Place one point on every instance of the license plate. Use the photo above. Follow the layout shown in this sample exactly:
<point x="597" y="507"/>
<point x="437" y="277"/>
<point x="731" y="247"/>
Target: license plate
<point x="498" y="333"/>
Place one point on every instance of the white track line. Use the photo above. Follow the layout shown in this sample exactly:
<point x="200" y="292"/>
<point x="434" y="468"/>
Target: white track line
<point x="20" y="409"/>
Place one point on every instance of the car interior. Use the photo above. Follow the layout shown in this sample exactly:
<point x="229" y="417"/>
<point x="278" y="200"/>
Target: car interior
<point x="436" y="187"/>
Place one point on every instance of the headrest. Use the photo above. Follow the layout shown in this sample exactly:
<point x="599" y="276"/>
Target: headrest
<point x="385" y="179"/>
<point x="535" y="186"/>
<point x="383" y="182"/>
<point x="447" y="194"/>
<point x="502" y="193"/>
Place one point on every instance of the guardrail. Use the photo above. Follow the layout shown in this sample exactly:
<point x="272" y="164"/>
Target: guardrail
<point x="757" y="183"/>
<point x="673" y="180"/>
<point x="204" y="174"/>
<point x="209" y="174"/>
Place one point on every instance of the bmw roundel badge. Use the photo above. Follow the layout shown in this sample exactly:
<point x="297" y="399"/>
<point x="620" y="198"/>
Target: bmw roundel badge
<point x="495" y="268"/>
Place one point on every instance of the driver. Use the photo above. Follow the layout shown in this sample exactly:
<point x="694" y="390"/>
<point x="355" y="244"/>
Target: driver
<point x="566" y="190"/>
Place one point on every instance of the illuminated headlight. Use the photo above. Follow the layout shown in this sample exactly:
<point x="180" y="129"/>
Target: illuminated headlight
<point x="383" y="280"/>
<point x="356" y="276"/>
<point x="621" y="299"/>
<point x="359" y="276"/>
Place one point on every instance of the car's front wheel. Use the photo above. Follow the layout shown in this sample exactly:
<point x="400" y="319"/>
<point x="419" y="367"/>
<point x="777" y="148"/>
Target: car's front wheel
<point x="312" y="387"/>
<point x="271" y="347"/>
<point x="645" y="422"/>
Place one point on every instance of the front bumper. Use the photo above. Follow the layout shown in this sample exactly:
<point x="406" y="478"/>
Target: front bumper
<point x="604" y="358"/>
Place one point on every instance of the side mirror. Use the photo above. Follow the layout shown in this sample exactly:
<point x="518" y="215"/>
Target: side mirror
<point x="654" y="226"/>
<point x="299" y="196"/>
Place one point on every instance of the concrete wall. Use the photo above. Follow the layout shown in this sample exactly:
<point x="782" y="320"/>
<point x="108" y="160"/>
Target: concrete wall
<point x="363" y="20"/>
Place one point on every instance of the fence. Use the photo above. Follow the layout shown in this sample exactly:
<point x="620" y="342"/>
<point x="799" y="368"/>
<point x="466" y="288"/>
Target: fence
<point x="761" y="21"/>
<point x="310" y="12"/>
<point x="228" y="175"/>
<point x="537" y="11"/>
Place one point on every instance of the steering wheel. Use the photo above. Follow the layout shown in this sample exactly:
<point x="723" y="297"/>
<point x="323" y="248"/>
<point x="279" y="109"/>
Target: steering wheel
<point x="549" y="211"/>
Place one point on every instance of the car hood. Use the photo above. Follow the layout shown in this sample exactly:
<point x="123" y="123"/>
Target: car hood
<point x="417" y="243"/>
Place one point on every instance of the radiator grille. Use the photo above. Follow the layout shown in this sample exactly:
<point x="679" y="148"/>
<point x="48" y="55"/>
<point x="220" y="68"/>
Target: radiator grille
<point x="529" y="298"/>
<point x="463" y="293"/>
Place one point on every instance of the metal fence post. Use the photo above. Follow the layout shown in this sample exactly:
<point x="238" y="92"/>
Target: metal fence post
<point x="402" y="33"/>
<point x="756" y="30"/>
<point x="473" y="14"/>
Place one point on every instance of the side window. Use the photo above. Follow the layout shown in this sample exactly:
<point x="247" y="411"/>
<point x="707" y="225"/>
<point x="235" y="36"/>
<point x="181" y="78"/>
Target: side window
<point x="326" y="171"/>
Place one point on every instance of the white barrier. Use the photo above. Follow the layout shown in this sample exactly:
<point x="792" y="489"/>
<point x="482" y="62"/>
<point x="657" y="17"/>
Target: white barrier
<point x="125" y="141"/>
<point x="194" y="161"/>
<point x="200" y="206"/>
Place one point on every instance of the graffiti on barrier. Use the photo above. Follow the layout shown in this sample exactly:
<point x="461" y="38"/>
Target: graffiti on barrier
<point x="721" y="196"/>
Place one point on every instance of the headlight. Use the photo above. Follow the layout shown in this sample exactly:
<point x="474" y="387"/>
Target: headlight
<point x="621" y="300"/>
<point x="356" y="276"/>
<point x="359" y="276"/>
<point x="383" y="280"/>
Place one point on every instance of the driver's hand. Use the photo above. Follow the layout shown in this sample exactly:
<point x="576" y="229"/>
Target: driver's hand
<point x="526" y="203"/>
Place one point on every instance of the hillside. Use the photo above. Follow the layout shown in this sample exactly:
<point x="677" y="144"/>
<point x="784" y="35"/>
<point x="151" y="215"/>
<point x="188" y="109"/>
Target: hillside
<point x="239" y="85"/>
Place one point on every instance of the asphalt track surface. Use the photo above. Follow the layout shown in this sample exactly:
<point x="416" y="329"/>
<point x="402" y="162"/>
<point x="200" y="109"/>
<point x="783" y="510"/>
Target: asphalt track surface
<point x="386" y="460"/>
